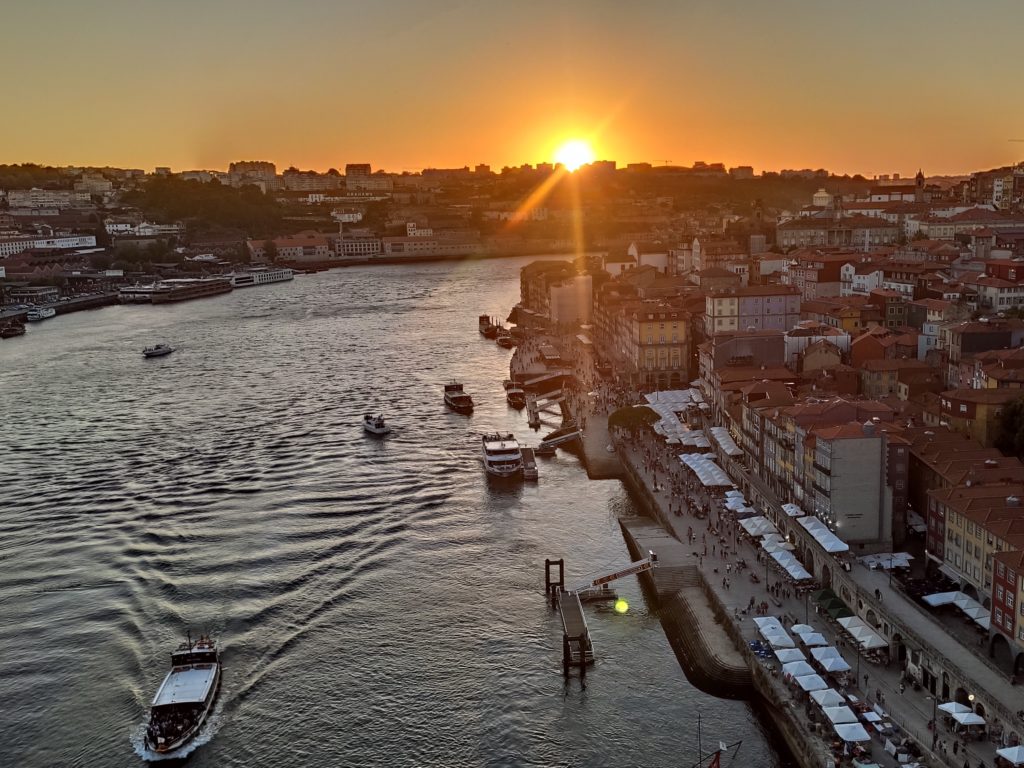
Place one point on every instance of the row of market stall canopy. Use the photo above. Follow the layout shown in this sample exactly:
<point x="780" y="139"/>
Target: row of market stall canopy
<point x="794" y="663"/>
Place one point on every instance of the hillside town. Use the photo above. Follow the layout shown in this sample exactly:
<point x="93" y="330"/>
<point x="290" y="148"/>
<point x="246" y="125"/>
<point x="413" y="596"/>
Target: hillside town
<point x="900" y="255"/>
<point x="855" y="382"/>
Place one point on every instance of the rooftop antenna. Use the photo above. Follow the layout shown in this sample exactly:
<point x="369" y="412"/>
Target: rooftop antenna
<point x="666" y="162"/>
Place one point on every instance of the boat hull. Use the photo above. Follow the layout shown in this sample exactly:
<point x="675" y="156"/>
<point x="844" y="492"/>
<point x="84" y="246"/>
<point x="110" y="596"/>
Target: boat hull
<point x="459" y="407"/>
<point x="504" y="474"/>
<point x="376" y="431"/>
<point x="191" y="733"/>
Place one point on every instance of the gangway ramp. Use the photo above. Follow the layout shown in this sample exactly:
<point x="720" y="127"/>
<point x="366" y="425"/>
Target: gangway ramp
<point x="576" y="634"/>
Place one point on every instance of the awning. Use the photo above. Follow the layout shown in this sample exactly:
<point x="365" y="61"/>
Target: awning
<point x="953" y="707"/>
<point x="852" y="732"/>
<point x="811" y="683"/>
<point x="970" y="607"/>
<point x="828" y="697"/>
<point x="828" y="652"/>
<point x="790" y="565"/>
<point x="835" y="665"/>
<point x="940" y="598"/>
<point x="758" y="526"/>
<point x="797" y="668"/>
<point x="968" y="718"/>
<point x="828" y="540"/>
<point x="812" y="639"/>
<point x="786" y="655"/>
<point x="1014" y="754"/>
<point x="840" y="714"/>
<point x="724" y="439"/>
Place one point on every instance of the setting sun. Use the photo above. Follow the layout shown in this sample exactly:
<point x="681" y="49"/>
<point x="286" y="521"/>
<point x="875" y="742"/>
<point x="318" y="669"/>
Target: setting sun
<point x="572" y="154"/>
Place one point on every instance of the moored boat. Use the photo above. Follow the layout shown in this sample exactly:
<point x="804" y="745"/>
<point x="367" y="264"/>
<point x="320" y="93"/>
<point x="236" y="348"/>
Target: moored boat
<point x="158" y="351"/>
<point x="41" y="313"/>
<point x="375" y="425"/>
<point x="12" y="328"/>
<point x="516" y="397"/>
<point x="502" y="456"/>
<point x="456" y="399"/>
<point x="505" y="339"/>
<point x="186" y="696"/>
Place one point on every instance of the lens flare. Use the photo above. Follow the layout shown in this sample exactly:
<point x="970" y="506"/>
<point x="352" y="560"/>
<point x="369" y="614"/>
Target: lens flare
<point x="621" y="606"/>
<point x="574" y="153"/>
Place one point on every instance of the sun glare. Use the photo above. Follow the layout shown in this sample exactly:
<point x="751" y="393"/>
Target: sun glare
<point x="574" y="153"/>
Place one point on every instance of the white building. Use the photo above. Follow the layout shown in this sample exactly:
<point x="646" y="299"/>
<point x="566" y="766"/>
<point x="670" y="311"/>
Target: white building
<point x="17" y="244"/>
<point x="411" y="230"/>
<point x="46" y="198"/>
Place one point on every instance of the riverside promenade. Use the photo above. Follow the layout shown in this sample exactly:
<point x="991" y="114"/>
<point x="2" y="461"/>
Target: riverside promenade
<point x="715" y="548"/>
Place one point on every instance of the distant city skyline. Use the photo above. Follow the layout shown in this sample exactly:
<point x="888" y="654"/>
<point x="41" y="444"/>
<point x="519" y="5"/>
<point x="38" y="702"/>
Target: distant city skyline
<point x="870" y="88"/>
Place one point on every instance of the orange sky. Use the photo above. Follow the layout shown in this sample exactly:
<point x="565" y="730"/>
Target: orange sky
<point x="867" y="87"/>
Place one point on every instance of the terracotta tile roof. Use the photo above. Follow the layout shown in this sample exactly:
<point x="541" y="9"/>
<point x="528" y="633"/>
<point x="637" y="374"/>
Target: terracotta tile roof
<point x="983" y="396"/>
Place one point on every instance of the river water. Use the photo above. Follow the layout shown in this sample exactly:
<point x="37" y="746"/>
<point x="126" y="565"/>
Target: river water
<point x="379" y="603"/>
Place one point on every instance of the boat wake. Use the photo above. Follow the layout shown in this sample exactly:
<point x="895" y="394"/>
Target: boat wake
<point x="205" y="736"/>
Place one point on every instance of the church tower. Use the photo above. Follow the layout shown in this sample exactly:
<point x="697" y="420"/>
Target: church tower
<point x="919" y="187"/>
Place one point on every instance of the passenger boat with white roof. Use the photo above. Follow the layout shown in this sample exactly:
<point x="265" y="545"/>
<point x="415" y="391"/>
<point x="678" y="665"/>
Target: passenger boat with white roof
<point x="502" y="456"/>
<point x="185" y="697"/>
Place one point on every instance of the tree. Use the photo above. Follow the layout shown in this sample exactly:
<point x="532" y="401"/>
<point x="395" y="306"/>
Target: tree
<point x="270" y="251"/>
<point x="633" y="417"/>
<point x="1010" y="436"/>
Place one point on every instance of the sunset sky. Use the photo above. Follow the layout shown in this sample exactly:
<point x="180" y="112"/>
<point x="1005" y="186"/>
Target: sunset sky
<point x="859" y="86"/>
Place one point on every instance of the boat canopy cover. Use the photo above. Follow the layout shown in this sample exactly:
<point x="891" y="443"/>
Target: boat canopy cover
<point x="187" y="686"/>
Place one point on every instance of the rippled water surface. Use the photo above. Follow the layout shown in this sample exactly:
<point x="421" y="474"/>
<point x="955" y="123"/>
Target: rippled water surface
<point x="378" y="601"/>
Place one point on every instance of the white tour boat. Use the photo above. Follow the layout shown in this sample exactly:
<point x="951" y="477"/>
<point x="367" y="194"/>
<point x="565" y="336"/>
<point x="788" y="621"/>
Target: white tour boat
<point x="375" y="425"/>
<point x="502" y="457"/>
<point x="185" y="697"/>
<point x="245" y="278"/>
<point x="41" y="313"/>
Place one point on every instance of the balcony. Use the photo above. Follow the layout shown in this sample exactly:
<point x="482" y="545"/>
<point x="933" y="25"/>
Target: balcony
<point x="821" y="468"/>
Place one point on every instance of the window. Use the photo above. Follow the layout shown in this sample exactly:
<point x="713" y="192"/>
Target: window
<point x="999" y="616"/>
<point x="999" y="594"/>
<point x="1002" y="571"/>
<point x="1009" y="600"/>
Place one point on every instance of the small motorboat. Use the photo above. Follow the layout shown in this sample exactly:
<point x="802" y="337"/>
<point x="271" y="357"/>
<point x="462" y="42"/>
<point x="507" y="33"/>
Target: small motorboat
<point x="375" y="425"/>
<point x="158" y="351"/>
<point x="508" y="384"/>
<point x="516" y="397"/>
